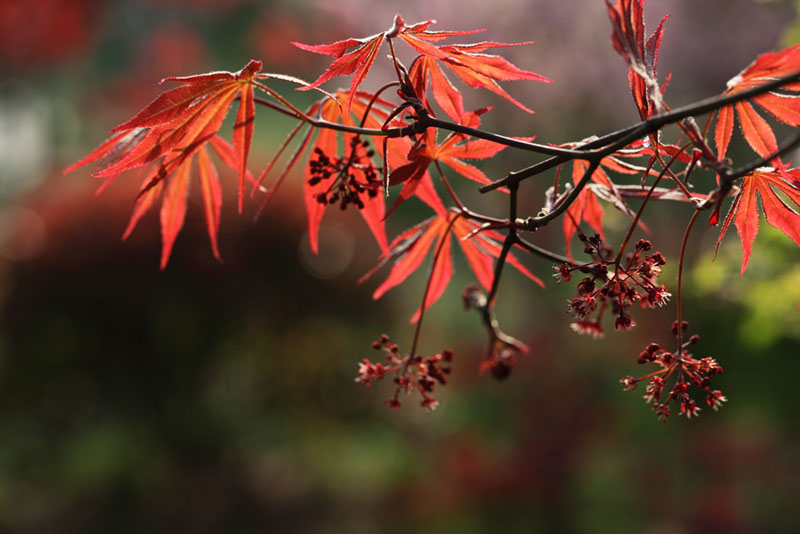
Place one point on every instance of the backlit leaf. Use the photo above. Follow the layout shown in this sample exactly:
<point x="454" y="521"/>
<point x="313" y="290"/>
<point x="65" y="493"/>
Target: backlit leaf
<point x="765" y="183"/>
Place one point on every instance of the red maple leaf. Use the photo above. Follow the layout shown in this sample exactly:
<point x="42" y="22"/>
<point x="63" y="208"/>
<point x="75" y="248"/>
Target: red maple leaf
<point x="783" y="105"/>
<point x="170" y="131"/>
<point x="347" y="178"/>
<point x="767" y="182"/>
<point x="468" y="62"/>
<point x="410" y="248"/>
<point x="586" y="207"/>
<point x="452" y="151"/>
<point x="174" y="193"/>
<point x="180" y="120"/>
<point x="356" y="62"/>
<point x="423" y="70"/>
<point x="628" y="38"/>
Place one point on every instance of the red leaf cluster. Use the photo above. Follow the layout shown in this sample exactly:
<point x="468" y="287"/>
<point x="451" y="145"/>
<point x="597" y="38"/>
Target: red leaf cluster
<point x="468" y="62"/>
<point x="361" y="144"/>
<point x="173" y="131"/>
<point x="782" y="105"/>
<point x="765" y="183"/>
<point x="411" y="247"/>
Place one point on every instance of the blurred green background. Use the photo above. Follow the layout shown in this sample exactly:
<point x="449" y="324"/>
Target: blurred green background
<point x="220" y="398"/>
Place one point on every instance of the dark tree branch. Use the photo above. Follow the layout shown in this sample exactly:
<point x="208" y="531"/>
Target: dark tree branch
<point x="612" y="142"/>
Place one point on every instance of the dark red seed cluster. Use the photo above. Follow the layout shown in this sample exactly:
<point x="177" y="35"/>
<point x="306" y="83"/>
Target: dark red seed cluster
<point x="686" y="372"/>
<point x="613" y="285"/>
<point x="413" y="373"/>
<point x="350" y="178"/>
<point x="502" y="359"/>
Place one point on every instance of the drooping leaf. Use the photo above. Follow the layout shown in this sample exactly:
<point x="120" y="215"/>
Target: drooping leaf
<point x="585" y="208"/>
<point x="408" y="251"/>
<point x="144" y="202"/>
<point x="783" y="104"/>
<point x="448" y="97"/>
<point x="173" y="209"/>
<point x="318" y="186"/>
<point x="765" y="183"/>
<point x="166" y="135"/>
<point x="212" y="197"/>
<point x="176" y="124"/>
<point x="347" y="172"/>
<point x="173" y="192"/>
<point x="724" y="130"/>
<point x="243" y="134"/>
<point x="756" y="130"/>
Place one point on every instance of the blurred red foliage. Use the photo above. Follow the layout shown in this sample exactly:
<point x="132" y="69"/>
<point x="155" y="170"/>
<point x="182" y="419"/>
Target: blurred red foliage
<point x="45" y="31"/>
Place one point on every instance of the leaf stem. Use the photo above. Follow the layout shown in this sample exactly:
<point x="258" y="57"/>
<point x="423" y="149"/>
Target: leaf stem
<point x="680" y="279"/>
<point x="638" y="215"/>
<point x="418" y="328"/>
<point x="432" y="122"/>
<point x="321" y="123"/>
<point x="544" y="253"/>
<point x="532" y="223"/>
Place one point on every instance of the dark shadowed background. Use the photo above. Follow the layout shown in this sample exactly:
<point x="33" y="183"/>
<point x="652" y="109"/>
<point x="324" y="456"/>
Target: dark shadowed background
<point x="220" y="397"/>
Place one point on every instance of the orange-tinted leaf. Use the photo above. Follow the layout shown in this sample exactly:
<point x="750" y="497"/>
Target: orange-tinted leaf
<point x="481" y="81"/>
<point x="726" y="223"/>
<point x="327" y="144"/>
<point x="724" y="130"/>
<point x="225" y="152"/>
<point x="356" y="56"/>
<point x="167" y="106"/>
<point x="585" y="207"/>
<point x="756" y="130"/>
<point x="410" y="248"/>
<point x="173" y="189"/>
<point x="467" y="61"/>
<point x="420" y="31"/>
<point x="167" y="134"/>
<point x="180" y="121"/>
<point x="765" y="183"/>
<point x="358" y="62"/>
<point x="426" y="192"/>
<point x="212" y="197"/>
<point x="143" y="203"/>
<point x="765" y="68"/>
<point x="243" y="134"/>
<point x="173" y="210"/>
<point x="440" y="276"/>
<point x="450" y="152"/>
<point x="480" y="261"/>
<point x="447" y="96"/>
<point x="336" y="49"/>
<point x="785" y="108"/>
<point x="108" y="146"/>
<point x="409" y="252"/>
